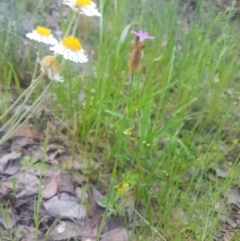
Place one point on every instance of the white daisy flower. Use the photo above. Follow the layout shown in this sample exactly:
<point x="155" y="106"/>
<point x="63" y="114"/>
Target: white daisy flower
<point x="43" y="35"/>
<point x="50" y="66"/>
<point x="86" y="7"/>
<point x="70" y="48"/>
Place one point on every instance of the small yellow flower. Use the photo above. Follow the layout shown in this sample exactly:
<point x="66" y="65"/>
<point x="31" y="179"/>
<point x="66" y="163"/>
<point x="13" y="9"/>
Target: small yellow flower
<point x="125" y="186"/>
<point x="127" y="132"/>
<point x="50" y="66"/>
<point x="86" y="7"/>
<point x="70" y="48"/>
<point x="43" y="35"/>
<point x="235" y="141"/>
<point x="120" y="190"/>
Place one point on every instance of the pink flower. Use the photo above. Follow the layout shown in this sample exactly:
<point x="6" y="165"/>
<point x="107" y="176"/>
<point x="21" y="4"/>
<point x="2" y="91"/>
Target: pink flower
<point x="141" y="35"/>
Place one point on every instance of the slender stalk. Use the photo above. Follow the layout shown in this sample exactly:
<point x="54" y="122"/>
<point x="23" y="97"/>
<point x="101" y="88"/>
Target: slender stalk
<point x="16" y="115"/>
<point x="38" y="201"/>
<point x="75" y="26"/>
<point x="124" y="117"/>
<point x="31" y="87"/>
<point x="117" y="157"/>
<point x="70" y="25"/>
<point x="73" y="34"/>
<point x="36" y="65"/>
<point x="146" y="222"/>
<point x="19" y="122"/>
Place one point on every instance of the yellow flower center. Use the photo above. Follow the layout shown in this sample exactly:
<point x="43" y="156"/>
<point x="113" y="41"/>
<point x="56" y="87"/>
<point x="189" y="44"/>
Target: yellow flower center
<point x="81" y="3"/>
<point x="72" y="43"/>
<point x="43" y="31"/>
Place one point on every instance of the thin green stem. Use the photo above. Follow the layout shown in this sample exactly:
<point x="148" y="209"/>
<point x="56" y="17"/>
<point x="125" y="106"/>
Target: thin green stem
<point x="70" y="25"/>
<point x="75" y="26"/>
<point x="20" y="121"/>
<point x="117" y="157"/>
<point x="146" y="222"/>
<point x="35" y="67"/>
<point x="38" y="202"/>
<point x="30" y="88"/>
<point x="17" y="114"/>
<point x="125" y="117"/>
<point x="73" y="34"/>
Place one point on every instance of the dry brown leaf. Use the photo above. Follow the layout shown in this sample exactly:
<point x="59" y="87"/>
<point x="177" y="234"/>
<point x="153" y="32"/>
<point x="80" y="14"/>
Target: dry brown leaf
<point x="66" y="230"/>
<point x="26" y="130"/>
<point x="65" y="205"/>
<point x="6" y="187"/>
<point x="97" y="196"/>
<point x="12" y="168"/>
<point x="7" y="218"/>
<point x="113" y="222"/>
<point x="35" y="150"/>
<point x="6" y="158"/>
<point x="65" y="183"/>
<point x="27" y="233"/>
<point x="52" y="187"/>
<point x="221" y="171"/>
<point x="129" y="205"/>
<point x="118" y="234"/>
<point x="233" y="196"/>
<point x="91" y="229"/>
<point x="54" y="151"/>
<point x="26" y="184"/>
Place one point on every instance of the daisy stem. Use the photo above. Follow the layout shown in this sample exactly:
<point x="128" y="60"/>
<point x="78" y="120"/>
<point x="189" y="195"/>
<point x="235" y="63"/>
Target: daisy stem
<point x="35" y="67"/>
<point x="62" y="65"/>
<point x="70" y="25"/>
<point x="16" y="115"/>
<point x="26" y="94"/>
<point x="73" y="33"/>
<point x="31" y="110"/>
<point x="76" y="25"/>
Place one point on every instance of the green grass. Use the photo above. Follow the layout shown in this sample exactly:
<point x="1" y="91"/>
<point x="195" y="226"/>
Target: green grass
<point x="179" y="114"/>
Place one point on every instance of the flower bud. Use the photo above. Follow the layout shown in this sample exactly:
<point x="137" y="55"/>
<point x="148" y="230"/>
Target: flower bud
<point x="135" y="61"/>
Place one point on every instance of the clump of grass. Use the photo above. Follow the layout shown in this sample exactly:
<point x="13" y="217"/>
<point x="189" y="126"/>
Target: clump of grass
<point x="176" y="117"/>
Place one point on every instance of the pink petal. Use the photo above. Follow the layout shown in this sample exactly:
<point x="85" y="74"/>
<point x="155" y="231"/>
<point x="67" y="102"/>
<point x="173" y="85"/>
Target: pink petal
<point x="134" y="32"/>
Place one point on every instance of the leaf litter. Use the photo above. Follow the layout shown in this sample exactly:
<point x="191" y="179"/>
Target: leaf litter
<point x="67" y="206"/>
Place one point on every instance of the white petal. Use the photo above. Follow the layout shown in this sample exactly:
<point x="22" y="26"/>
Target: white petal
<point x="58" y="49"/>
<point x="58" y="78"/>
<point x="75" y="56"/>
<point x="41" y="38"/>
<point x="90" y="10"/>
